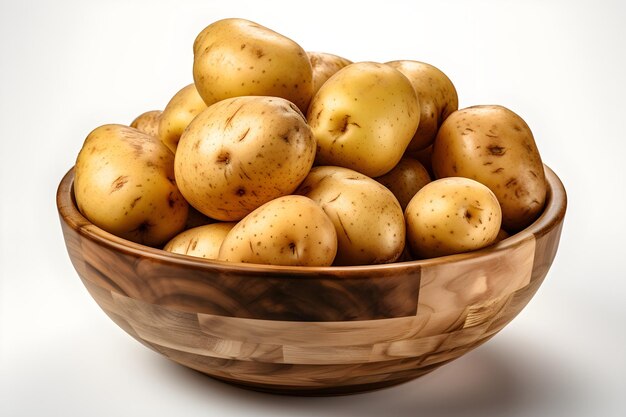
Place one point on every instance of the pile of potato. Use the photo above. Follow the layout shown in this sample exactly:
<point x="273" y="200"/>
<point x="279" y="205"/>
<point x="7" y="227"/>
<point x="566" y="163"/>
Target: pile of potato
<point x="278" y="156"/>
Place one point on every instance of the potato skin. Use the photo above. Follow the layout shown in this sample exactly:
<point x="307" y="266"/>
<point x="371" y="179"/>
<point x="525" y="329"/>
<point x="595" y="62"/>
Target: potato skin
<point x="324" y="66"/>
<point x="290" y="230"/>
<point x="179" y="112"/>
<point x="202" y="241"/>
<point x="452" y="215"/>
<point x="237" y="57"/>
<point x="363" y="118"/>
<point x="405" y="180"/>
<point x="148" y="122"/>
<point x="437" y="97"/>
<point x="125" y="185"/>
<point x="494" y="146"/>
<point x="366" y="215"/>
<point x="241" y="153"/>
<point x="424" y="156"/>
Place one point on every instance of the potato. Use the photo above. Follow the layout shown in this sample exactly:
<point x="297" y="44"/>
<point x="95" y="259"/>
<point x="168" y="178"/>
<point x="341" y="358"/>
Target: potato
<point x="290" y="230"/>
<point x="324" y="66"/>
<point x="202" y="241"/>
<point x="179" y="112"/>
<point x="237" y="57"/>
<point x="363" y="118"/>
<point x="124" y="184"/>
<point x="366" y="215"/>
<point x="424" y="156"/>
<point x="148" y="122"/>
<point x="452" y="215"/>
<point x="437" y="97"/>
<point x="494" y="146"/>
<point x="406" y="179"/>
<point x="241" y="153"/>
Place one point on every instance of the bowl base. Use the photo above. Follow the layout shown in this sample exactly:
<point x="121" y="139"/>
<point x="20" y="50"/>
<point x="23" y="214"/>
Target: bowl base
<point x="317" y="392"/>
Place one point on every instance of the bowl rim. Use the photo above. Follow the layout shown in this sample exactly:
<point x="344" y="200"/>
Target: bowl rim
<point x="552" y="215"/>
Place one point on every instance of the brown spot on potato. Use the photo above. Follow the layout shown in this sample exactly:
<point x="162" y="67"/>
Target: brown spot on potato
<point x="170" y="199"/>
<point x="496" y="150"/>
<point x="230" y="119"/>
<point x="134" y="202"/>
<point x="497" y="171"/>
<point x="118" y="183"/>
<point x="343" y="228"/>
<point x="520" y="192"/>
<point x="240" y="191"/>
<point x="143" y="228"/>
<point x="223" y="158"/>
<point x="335" y="198"/>
<point x="243" y="136"/>
<point x="510" y="183"/>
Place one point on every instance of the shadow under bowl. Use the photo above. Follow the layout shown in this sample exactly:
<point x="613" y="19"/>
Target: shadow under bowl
<point x="312" y="330"/>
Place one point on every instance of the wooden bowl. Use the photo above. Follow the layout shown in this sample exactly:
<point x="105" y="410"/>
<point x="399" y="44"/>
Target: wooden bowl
<point x="309" y="330"/>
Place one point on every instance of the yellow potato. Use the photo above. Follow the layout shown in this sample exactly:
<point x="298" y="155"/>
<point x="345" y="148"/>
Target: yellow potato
<point x="494" y="146"/>
<point x="366" y="215"/>
<point x="324" y="66"/>
<point x="237" y="57"/>
<point x="363" y="118"/>
<point x="179" y="112"/>
<point x="452" y="215"/>
<point x="424" y="156"/>
<point x="406" y="179"/>
<point x="125" y="185"/>
<point x="148" y="122"/>
<point x="290" y="230"/>
<point x="202" y="241"/>
<point x="241" y="153"/>
<point x="437" y="97"/>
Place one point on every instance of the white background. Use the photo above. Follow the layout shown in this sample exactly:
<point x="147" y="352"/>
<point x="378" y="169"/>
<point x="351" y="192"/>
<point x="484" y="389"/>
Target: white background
<point x="69" y="66"/>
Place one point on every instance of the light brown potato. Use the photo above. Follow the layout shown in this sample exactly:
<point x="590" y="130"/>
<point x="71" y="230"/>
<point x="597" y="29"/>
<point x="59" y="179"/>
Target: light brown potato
<point x="202" y="241"/>
<point x="425" y="158"/>
<point x="241" y="153"/>
<point x="363" y="118"/>
<point x="495" y="147"/>
<point x="405" y="180"/>
<point x="237" y="57"/>
<point x="125" y="185"/>
<point x="148" y="122"/>
<point x="436" y="95"/>
<point x="366" y="215"/>
<point x="179" y="112"/>
<point x="290" y="230"/>
<point x="452" y="215"/>
<point x="324" y="66"/>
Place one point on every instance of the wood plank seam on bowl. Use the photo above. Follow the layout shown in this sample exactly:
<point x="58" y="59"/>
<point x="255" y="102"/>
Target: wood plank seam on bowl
<point x="181" y="331"/>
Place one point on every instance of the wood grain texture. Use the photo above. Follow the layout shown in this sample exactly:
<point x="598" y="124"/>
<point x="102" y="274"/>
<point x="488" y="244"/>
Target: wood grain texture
<point x="317" y="331"/>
